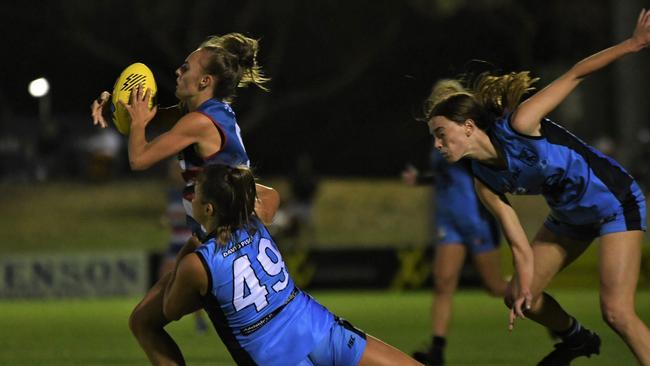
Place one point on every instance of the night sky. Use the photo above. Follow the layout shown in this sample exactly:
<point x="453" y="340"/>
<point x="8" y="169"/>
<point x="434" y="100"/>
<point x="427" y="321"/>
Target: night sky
<point x="348" y="77"/>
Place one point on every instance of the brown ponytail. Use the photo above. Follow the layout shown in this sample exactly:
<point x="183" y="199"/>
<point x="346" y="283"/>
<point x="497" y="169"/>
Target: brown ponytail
<point x="231" y="190"/>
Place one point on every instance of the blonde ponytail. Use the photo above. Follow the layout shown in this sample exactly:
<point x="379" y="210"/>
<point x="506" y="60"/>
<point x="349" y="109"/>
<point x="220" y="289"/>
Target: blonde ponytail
<point x="485" y="99"/>
<point x="503" y="93"/>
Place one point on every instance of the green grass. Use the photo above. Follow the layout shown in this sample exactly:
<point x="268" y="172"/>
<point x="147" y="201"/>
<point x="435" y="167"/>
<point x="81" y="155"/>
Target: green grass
<point x="95" y="332"/>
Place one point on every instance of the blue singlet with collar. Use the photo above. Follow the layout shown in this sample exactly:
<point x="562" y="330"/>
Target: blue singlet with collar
<point x="259" y="313"/>
<point x="580" y="184"/>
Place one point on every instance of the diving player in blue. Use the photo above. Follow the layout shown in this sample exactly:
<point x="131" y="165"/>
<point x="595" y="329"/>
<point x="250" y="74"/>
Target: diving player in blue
<point x="516" y="150"/>
<point x="238" y="276"/>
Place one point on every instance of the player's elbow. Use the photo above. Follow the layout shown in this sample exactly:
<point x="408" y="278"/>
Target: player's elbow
<point x="138" y="164"/>
<point x="267" y="205"/>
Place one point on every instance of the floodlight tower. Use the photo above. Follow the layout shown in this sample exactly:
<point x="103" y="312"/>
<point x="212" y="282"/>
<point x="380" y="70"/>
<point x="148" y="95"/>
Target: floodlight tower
<point x="40" y="89"/>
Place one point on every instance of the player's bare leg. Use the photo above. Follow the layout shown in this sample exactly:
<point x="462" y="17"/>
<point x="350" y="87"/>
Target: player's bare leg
<point x="147" y="324"/>
<point x="552" y="253"/>
<point x="620" y="261"/>
<point x="488" y="265"/>
<point x="447" y="264"/>
<point x="378" y="353"/>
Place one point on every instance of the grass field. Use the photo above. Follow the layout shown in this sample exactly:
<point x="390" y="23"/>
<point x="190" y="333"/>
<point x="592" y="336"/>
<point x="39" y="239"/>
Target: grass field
<point x="95" y="332"/>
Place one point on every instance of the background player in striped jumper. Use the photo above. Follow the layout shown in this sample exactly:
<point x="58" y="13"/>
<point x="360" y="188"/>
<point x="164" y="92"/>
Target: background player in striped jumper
<point x="515" y="149"/>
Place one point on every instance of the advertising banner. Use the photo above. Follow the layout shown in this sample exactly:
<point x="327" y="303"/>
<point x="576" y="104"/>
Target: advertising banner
<point x="74" y="275"/>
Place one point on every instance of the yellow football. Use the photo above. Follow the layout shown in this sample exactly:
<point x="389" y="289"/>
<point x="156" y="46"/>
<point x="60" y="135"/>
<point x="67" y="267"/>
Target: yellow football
<point x="137" y="73"/>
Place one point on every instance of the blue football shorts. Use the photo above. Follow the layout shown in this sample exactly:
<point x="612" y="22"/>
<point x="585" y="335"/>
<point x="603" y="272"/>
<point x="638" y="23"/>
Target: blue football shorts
<point x="627" y="217"/>
<point x="479" y="235"/>
<point x="344" y="345"/>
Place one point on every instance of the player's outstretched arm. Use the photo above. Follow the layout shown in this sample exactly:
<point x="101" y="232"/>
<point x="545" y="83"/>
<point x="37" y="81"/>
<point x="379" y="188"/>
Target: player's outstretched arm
<point x="522" y="253"/>
<point x="526" y="119"/>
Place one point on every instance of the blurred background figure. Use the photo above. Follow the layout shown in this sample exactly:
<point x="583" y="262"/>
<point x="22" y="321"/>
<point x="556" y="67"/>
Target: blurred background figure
<point x="174" y="219"/>
<point x="462" y="225"/>
<point x="294" y="221"/>
<point x="103" y="150"/>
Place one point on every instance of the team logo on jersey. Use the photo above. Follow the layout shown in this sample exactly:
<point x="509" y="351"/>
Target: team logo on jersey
<point x="528" y="156"/>
<point x="351" y="341"/>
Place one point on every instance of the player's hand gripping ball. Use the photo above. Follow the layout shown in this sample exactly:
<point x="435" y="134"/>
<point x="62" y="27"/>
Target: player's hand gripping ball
<point x="137" y="73"/>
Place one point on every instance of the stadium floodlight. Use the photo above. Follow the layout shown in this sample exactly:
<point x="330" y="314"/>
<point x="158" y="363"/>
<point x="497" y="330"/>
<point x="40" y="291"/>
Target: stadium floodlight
<point x="39" y="87"/>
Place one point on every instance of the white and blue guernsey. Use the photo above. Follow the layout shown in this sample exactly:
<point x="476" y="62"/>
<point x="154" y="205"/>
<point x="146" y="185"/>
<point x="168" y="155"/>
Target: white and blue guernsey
<point x="232" y="153"/>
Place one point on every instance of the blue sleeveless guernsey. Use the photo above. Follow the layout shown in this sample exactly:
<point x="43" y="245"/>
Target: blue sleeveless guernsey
<point x="232" y="153"/>
<point x="261" y="316"/>
<point x="581" y="185"/>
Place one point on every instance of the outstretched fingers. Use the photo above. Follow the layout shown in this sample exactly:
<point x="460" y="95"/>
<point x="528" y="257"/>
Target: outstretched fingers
<point x="97" y="109"/>
<point x="519" y="309"/>
<point x="642" y="15"/>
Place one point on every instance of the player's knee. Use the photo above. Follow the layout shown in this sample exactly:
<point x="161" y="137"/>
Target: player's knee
<point x="445" y="285"/>
<point x="137" y="321"/>
<point x="616" y="314"/>
<point x="134" y="322"/>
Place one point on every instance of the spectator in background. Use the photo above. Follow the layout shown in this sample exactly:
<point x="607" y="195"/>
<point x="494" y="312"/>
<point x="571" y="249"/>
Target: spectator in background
<point x="303" y="184"/>
<point x="293" y="222"/>
<point x="462" y="226"/>
<point x="103" y="149"/>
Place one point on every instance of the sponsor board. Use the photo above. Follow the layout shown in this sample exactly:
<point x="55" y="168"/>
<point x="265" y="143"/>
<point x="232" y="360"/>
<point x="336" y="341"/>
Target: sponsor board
<point x="74" y="275"/>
